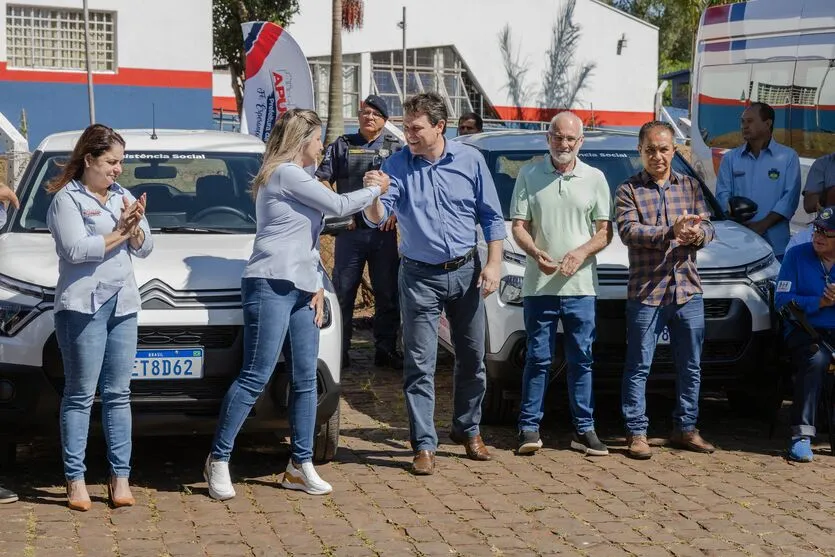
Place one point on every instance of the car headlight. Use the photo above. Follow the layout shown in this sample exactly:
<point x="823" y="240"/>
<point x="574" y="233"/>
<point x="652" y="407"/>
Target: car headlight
<point x="758" y="266"/>
<point x="763" y="275"/>
<point x="326" y="314"/>
<point x="13" y="317"/>
<point x="510" y="289"/>
<point x="765" y="288"/>
<point x="515" y="258"/>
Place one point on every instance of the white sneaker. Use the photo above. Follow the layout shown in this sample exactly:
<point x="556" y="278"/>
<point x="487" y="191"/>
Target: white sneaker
<point x="305" y="479"/>
<point x="216" y="474"/>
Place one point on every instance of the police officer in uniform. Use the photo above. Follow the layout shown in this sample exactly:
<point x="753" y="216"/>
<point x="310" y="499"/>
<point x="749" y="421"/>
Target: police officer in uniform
<point x="346" y="161"/>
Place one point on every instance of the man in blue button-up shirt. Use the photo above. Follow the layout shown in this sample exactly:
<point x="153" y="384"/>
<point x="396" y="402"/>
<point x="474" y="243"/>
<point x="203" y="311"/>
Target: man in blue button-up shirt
<point x="764" y="171"/>
<point x="441" y="192"/>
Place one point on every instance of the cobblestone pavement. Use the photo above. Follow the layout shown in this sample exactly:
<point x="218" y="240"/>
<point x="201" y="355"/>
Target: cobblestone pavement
<point x="743" y="500"/>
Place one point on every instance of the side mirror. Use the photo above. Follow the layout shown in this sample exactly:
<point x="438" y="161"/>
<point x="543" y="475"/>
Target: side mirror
<point x="742" y="209"/>
<point x="335" y="225"/>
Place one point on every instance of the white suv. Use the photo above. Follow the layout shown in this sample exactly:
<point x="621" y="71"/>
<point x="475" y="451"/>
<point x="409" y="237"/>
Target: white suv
<point x="190" y="327"/>
<point x="738" y="270"/>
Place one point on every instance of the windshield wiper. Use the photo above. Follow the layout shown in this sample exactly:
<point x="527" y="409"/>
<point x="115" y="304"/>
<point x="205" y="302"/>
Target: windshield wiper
<point x="194" y="230"/>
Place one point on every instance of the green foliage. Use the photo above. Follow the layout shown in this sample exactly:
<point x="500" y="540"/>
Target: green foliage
<point x="228" y="15"/>
<point x="677" y="22"/>
<point x="24" y="124"/>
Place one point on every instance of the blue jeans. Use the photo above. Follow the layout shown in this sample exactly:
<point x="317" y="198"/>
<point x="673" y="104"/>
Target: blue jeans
<point x="97" y="350"/>
<point x="542" y="313"/>
<point x="273" y="310"/>
<point x="352" y="250"/>
<point x="810" y="367"/>
<point x="424" y="292"/>
<point x="644" y="324"/>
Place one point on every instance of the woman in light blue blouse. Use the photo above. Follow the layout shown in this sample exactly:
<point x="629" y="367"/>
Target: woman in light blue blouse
<point x="283" y="297"/>
<point x="97" y="226"/>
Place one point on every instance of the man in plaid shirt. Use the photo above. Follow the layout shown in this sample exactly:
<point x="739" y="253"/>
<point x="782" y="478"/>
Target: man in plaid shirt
<point x="662" y="218"/>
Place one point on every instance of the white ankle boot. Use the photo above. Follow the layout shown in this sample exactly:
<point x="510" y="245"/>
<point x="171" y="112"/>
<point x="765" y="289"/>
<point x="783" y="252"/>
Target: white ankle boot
<point x="216" y="474"/>
<point x="304" y="478"/>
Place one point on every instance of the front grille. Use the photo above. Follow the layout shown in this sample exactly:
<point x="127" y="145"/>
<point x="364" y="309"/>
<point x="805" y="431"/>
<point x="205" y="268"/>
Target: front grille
<point x="609" y="353"/>
<point x="715" y="308"/>
<point x="207" y="388"/>
<point x="207" y="337"/>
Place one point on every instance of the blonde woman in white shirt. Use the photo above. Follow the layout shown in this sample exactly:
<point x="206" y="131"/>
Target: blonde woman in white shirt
<point x="282" y="295"/>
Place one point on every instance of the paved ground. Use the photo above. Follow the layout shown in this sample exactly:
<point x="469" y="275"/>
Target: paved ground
<point x="743" y="500"/>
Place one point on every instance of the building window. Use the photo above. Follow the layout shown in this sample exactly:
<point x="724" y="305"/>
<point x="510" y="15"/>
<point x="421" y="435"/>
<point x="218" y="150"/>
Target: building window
<point x="320" y="70"/>
<point x="53" y="38"/>
<point x="438" y="70"/>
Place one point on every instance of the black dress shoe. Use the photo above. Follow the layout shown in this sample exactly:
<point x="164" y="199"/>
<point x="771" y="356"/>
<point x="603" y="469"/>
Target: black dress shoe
<point x="388" y="358"/>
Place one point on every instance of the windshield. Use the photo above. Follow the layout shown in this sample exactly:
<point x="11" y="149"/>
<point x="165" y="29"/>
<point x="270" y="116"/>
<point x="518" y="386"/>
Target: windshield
<point x="617" y="166"/>
<point x="186" y="191"/>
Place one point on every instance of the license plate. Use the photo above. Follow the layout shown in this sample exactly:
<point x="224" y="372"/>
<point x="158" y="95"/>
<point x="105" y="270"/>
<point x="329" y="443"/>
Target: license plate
<point x="183" y="363"/>
<point x="664" y="337"/>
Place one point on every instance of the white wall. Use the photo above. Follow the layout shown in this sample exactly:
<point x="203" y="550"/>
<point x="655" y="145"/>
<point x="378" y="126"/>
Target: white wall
<point x="150" y="34"/>
<point x="619" y="83"/>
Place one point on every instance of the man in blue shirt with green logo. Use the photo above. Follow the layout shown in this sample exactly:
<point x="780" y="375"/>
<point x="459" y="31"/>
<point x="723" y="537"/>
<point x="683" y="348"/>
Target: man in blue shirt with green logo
<point x="764" y="171"/>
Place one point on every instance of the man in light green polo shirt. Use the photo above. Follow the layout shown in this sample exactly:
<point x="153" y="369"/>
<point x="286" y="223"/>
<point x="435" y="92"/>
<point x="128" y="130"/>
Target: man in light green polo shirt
<point x="561" y="211"/>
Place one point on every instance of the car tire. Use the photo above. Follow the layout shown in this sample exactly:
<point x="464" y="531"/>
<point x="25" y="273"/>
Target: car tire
<point x="326" y="441"/>
<point x="497" y="408"/>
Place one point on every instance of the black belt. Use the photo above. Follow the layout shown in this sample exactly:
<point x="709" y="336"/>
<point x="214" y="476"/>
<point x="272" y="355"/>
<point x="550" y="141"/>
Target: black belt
<point x="450" y="265"/>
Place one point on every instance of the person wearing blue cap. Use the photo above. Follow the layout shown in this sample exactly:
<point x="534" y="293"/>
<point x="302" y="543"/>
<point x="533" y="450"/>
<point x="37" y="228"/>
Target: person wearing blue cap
<point x="807" y="277"/>
<point x="346" y="161"/>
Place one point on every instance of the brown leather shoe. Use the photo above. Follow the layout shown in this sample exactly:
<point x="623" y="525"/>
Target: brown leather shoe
<point x="638" y="447"/>
<point x="77" y="497"/>
<point x="118" y="491"/>
<point x="424" y="463"/>
<point x="691" y="441"/>
<point x="475" y="447"/>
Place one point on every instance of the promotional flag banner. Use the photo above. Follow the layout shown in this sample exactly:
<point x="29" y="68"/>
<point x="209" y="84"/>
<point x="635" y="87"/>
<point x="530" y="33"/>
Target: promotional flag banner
<point x="277" y="77"/>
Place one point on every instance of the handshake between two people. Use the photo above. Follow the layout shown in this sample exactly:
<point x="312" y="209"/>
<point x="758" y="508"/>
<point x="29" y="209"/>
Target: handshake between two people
<point x="381" y="179"/>
<point x="132" y="214"/>
<point x="376" y="178"/>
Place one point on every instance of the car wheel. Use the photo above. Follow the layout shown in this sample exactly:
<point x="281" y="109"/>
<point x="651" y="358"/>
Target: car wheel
<point x="501" y="402"/>
<point x="326" y="441"/>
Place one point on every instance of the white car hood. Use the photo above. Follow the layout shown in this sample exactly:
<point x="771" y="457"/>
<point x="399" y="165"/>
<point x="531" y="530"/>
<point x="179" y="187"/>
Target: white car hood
<point x="185" y="262"/>
<point x="733" y="246"/>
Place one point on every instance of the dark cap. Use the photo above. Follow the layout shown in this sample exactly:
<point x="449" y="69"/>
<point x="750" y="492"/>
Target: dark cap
<point x="826" y="218"/>
<point x="378" y="103"/>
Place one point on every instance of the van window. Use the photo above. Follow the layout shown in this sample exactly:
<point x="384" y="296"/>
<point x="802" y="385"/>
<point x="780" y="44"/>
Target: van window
<point x="723" y="95"/>
<point x="813" y="108"/>
<point x="771" y="83"/>
<point x="802" y="95"/>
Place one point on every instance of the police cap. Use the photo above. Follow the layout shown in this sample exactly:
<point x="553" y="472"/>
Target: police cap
<point x="377" y="102"/>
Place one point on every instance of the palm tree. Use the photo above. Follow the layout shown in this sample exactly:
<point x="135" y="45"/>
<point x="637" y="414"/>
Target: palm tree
<point x="345" y="14"/>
